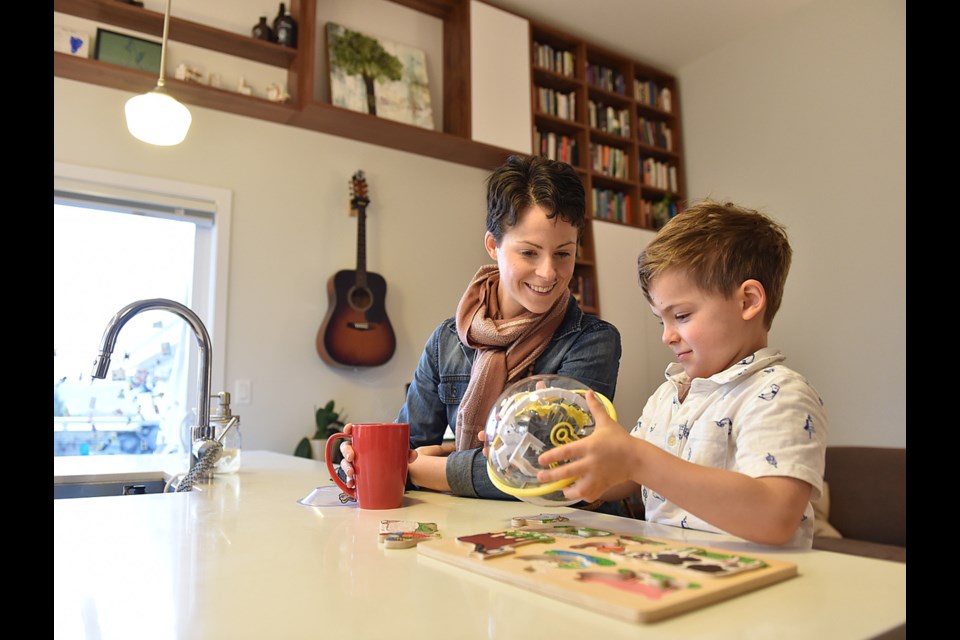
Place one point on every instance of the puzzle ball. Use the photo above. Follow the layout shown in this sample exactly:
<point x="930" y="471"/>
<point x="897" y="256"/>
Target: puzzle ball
<point x="530" y="417"/>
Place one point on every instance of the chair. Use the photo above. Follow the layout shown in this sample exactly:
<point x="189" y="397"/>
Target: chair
<point x="867" y="501"/>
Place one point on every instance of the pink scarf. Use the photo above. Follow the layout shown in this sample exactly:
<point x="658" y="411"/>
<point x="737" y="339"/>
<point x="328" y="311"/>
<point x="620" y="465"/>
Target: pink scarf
<point x="506" y="349"/>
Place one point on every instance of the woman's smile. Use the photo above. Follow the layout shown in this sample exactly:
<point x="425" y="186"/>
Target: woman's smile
<point x="541" y="289"/>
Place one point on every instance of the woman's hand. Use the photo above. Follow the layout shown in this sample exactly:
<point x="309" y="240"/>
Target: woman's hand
<point x="430" y="472"/>
<point x="486" y="445"/>
<point x="440" y="450"/>
<point x="346" y="448"/>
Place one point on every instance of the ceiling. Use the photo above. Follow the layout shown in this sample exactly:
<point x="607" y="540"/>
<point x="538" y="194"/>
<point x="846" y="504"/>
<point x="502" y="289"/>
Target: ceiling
<point x="667" y="34"/>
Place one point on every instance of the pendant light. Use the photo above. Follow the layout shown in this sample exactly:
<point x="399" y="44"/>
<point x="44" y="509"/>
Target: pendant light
<point x="156" y="117"/>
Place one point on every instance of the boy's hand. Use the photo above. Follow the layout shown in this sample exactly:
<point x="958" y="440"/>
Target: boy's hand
<point x="598" y="462"/>
<point x="346" y="448"/>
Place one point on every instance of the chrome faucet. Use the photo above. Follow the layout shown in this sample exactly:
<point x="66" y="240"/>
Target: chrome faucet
<point x="202" y="431"/>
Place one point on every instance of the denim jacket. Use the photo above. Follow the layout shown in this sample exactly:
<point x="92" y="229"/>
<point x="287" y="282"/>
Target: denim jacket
<point x="584" y="347"/>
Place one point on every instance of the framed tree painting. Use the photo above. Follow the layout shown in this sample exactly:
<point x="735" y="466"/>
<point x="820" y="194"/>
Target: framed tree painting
<point x="379" y="77"/>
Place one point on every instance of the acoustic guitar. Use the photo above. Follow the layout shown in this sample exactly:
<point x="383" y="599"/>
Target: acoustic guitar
<point x="356" y="331"/>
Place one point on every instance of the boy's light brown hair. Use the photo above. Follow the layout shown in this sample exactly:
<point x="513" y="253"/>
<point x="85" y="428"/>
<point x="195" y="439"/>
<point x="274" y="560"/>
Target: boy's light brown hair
<point x="719" y="246"/>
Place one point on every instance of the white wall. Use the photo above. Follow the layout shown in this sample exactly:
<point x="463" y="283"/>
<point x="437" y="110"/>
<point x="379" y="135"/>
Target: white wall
<point x="644" y="356"/>
<point x="807" y="121"/>
<point x="291" y="232"/>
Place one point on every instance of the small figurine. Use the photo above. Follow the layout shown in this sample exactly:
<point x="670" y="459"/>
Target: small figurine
<point x="243" y="87"/>
<point x="277" y="93"/>
<point x="187" y="73"/>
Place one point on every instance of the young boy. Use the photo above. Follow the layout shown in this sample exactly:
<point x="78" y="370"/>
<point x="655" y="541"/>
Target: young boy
<point x="734" y="440"/>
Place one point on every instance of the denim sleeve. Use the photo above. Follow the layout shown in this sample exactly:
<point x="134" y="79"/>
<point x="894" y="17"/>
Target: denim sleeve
<point x="467" y="476"/>
<point x="423" y="407"/>
<point x="594" y="359"/>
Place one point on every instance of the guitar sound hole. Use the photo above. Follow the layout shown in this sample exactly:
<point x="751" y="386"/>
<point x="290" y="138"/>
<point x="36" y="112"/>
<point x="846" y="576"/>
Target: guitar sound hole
<point x="360" y="299"/>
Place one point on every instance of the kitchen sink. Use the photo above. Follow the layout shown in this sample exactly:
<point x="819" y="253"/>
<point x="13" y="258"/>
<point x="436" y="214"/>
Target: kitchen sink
<point x="109" y="486"/>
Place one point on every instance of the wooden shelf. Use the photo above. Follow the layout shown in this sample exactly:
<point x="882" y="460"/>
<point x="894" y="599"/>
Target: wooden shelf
<point x="647" y="150"/>
<point x="136" y="81"/>
<point x="319" y="116"/>
<point x="452" y="144"/>
<point x="547" y="78"/>
<point x="143" y="20"/>
<point x="647" y="110"/>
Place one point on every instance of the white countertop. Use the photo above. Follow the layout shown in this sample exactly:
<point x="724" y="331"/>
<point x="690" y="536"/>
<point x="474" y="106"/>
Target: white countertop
<point x="240" y="558"/>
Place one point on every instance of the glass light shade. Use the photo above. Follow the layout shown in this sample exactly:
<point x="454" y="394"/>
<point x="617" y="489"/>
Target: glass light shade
<point x="156" y="118"/>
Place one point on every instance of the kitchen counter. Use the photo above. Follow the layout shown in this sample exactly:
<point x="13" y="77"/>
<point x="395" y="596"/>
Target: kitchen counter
<point x="241" y="558"/>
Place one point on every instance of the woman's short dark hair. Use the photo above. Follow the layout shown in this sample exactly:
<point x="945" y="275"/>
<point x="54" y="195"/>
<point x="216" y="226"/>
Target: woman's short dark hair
<point x="524" y="181"/>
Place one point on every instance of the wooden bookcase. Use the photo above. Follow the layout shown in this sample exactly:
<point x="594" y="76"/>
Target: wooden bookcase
<point x="616" y="121"/>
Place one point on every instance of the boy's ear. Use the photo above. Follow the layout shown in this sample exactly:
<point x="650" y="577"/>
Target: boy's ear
<point x="490" y="244"/>
<point x="754" y="298"/>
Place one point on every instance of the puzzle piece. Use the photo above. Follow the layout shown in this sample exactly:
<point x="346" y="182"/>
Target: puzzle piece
<point x="540" y="518"/>
<point x="701" y="560"/>
<point x="502" y="543"/>
<point x="403" y="534"/>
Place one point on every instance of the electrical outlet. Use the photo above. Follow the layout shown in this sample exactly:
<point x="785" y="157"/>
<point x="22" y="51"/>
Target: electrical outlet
<point x="242" y="392"/>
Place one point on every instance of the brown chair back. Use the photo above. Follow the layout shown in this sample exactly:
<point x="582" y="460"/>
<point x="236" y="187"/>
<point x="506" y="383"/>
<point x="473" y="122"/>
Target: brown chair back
<point x="868" y="492"/>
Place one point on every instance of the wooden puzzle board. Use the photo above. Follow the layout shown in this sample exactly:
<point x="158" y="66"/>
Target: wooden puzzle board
<point x="634" y="578"/>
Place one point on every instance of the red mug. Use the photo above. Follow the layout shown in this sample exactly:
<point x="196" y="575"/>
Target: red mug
<point x="381" y="451"/>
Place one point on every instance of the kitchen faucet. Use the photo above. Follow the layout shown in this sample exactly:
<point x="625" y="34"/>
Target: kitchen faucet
<point x="202" y="434"/>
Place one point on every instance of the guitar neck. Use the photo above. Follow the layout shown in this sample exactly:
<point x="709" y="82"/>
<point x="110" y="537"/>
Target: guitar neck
<point x="361" y="245"/>
<point x="359" y="202"/>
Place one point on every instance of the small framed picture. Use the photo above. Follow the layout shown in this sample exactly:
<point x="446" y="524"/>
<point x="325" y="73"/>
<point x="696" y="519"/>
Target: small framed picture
<point x="127" y="51"/>
<point x="75" y="43"/>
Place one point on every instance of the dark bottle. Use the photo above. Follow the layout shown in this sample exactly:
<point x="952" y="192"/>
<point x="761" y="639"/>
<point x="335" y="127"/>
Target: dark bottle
<point x="285" y="28"/>
<point x="262" y="31"/>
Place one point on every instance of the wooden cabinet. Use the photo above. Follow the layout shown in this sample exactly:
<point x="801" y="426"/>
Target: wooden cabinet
<point x="618" y="123"/>
<point x="453" y="143"/>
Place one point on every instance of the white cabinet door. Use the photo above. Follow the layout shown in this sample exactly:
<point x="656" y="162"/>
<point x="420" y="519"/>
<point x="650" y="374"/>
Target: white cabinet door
<point x="500" y="78"/>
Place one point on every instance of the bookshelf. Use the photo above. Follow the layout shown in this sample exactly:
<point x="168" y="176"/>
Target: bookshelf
<point x="622" y="134"/>
<point x="624" y="130"/>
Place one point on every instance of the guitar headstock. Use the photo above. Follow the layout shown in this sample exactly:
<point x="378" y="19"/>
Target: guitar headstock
<point x="358" y="191"/>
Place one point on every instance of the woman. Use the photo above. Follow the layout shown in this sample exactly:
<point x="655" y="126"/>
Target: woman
<point x="517" y="318"/>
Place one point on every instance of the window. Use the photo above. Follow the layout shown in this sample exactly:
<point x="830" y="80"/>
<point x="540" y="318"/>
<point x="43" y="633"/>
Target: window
<point x="119" y="238"/>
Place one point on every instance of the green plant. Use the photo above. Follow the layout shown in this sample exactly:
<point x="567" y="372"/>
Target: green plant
<point x="328" y="423"/>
